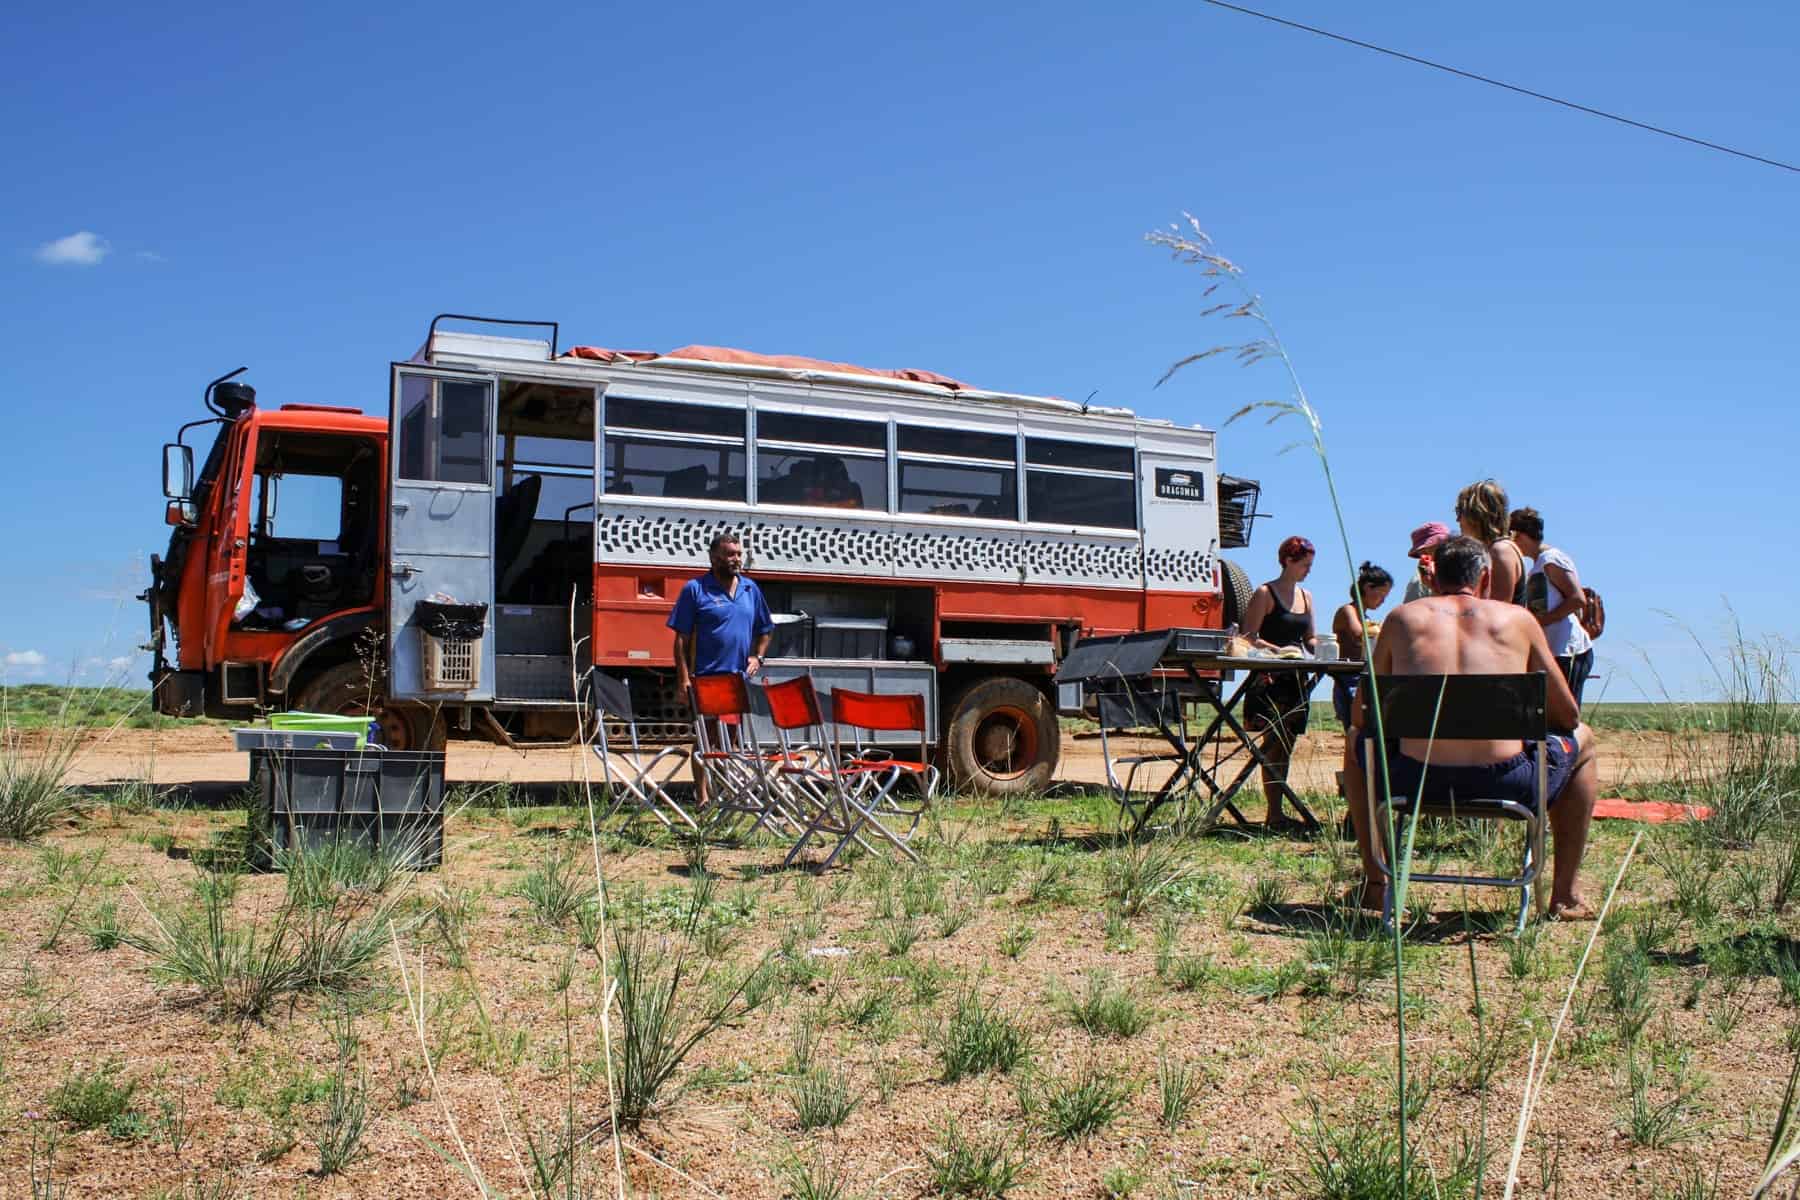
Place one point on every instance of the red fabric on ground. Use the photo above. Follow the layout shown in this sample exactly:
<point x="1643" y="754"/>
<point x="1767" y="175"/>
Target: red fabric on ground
<point x="1654" y="812"/>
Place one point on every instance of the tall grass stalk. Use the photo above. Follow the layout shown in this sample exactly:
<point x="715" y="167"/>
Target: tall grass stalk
<point x="1787" y="1130"/>
<point x="1540" y="1068"/>
<point x="609" y="985"/>
<point x="416" y="1008"/>
<point x="1193" y="246"/>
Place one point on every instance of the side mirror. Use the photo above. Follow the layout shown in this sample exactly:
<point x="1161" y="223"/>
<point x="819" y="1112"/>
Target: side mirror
<point x="178" y="471"/>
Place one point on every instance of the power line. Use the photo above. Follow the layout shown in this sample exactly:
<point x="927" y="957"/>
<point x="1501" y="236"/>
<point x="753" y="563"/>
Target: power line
<point x="1511" y="87"/>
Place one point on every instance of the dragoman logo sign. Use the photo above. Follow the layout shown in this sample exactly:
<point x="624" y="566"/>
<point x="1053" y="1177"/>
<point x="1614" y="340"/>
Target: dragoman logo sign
<point x="1173" y="484"/>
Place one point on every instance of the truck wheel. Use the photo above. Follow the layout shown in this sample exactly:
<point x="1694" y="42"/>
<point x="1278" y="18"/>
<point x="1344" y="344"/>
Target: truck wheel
<point x="346" y="689"/>
<point x="1238" y="590"/>
<point x="1002" y="739"/>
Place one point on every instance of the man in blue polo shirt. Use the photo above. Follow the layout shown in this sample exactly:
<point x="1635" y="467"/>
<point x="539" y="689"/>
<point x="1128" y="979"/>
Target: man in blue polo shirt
<point x="721" y="620"/>
<point x="721" y="624"/>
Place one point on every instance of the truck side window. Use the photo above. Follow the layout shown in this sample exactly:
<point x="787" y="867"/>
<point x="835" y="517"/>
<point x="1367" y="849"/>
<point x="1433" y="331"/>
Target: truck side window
<point x="828" y="462"/>
<point x="306" y="508"/>
<point x="1080" y="483"/>
<point x="442" y="430"/>
<point x="958" y="473"/>
<point x="661" y="448"/>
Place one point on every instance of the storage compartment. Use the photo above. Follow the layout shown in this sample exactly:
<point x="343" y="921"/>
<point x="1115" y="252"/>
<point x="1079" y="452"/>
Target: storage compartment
<point x="391" y="802"/>
<point x="1201" y="641"/>
<point x="849" y="637"/>
<point x="793" y="636"/>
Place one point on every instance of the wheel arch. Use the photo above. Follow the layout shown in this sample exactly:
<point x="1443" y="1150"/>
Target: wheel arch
<point x="328" y="643"/>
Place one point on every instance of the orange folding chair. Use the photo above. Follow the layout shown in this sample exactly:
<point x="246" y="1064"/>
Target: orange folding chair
<point x="737" y="769"/>
<point x="809" y="784"/>
<point x="889" y="791"/>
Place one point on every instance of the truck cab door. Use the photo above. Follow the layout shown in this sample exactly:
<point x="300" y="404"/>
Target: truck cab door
<point x="227" y="556"/>
<point x="440" y="515"/>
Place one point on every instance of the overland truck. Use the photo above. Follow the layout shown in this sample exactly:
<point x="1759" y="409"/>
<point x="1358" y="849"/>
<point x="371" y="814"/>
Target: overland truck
<point x="525" y="512"/>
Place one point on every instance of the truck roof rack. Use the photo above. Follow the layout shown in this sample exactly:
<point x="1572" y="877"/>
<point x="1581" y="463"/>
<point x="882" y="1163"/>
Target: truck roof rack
<point x="554" y="328"/>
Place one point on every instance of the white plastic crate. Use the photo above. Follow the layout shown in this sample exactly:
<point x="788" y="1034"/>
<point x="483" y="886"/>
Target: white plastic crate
<point x="449" y="664"/>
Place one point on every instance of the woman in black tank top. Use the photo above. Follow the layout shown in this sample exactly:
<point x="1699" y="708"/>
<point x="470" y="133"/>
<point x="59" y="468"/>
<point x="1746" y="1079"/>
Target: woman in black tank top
<point x="1277" y="705"/>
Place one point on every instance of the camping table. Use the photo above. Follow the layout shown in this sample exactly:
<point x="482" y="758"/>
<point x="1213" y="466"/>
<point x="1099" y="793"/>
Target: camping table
<point x="1144" y="665"/>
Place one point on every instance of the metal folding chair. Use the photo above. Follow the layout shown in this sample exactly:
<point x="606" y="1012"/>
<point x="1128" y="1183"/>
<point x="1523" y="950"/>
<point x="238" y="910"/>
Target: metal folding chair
<point x="740" y="784"/>
<point x="1457" y="707"/>
<point x="1159" y="714"/>
<point x="889" y="791"/>
<point x="808" y="783"/>
<point x="632" y="778"/>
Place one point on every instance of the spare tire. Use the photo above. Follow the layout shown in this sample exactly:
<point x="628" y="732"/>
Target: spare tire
<point x="1237" y="589"/>
<point x="1002" y="738"/>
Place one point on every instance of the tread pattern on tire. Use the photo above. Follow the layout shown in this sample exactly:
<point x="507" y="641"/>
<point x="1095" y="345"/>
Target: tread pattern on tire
<point x="984" y="696"/>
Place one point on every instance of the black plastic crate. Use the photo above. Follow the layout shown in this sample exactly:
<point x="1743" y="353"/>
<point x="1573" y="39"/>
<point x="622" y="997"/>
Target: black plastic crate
<point x="390" y="800"/>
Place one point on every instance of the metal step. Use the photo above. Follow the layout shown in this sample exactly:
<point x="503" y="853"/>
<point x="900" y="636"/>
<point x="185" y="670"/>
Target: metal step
<point x="533" y="677"/>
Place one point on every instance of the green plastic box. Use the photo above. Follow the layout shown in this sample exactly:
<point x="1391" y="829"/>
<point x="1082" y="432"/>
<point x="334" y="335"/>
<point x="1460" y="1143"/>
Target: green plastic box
<point x="306" y="722"/>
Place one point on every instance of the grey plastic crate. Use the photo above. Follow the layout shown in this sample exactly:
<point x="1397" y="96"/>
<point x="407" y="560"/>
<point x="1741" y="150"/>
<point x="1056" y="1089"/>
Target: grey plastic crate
<point x="849" y="637"/>
<point x="381" y="799"/>
<point x="290" y="739"/>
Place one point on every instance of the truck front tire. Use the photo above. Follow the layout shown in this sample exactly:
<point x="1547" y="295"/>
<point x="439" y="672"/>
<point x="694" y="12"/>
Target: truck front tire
<point x="1002" y="738"/>
<point x="347" y="689"/>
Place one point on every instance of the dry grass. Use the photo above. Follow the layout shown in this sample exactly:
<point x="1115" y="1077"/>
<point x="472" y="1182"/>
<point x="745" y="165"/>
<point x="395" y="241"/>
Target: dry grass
<point x="484" y="1044"/>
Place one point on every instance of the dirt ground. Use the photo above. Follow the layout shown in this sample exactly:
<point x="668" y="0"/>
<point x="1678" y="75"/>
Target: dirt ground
<point x="203" y="754"/>
<point x="1019" y="909"/>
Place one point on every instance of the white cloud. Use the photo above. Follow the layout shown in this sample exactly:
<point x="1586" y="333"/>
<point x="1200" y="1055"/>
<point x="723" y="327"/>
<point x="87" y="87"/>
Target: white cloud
<point x="121" y="663"/>
<point x="82" y="249"/>
<point x="149" y="256"/>
<point x="29" y="659"/>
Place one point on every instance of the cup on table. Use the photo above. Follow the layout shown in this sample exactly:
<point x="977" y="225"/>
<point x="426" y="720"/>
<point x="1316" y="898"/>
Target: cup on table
<point x="1326" y="649"/>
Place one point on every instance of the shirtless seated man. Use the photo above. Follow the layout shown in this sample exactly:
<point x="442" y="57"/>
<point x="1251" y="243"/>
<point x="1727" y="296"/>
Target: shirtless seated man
<point x="1456" y="633"/>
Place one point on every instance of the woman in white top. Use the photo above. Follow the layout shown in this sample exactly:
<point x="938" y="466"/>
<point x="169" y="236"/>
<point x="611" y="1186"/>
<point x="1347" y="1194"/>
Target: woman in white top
<point x="1553" y="594"/>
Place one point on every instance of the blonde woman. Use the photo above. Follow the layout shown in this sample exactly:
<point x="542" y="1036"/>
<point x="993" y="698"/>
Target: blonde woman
<point x="1482" y="512"/>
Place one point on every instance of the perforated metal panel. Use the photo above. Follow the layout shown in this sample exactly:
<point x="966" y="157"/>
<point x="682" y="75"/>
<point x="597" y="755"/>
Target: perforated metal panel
<point x="881" y="548"/>
<point x="1083" y="559"/>
<point x="1179" y="570"/>
<point x="657" y="536"/>
<point x="846" y="547"/>
<point x="922" y="554"/>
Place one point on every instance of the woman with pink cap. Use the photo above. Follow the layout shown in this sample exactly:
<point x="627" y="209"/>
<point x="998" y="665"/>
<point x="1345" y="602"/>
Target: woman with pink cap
<point x="1424" y="539"/>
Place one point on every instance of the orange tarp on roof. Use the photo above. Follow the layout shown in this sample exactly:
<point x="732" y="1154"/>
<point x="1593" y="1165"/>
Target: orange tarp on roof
<point x="786" y="362"/>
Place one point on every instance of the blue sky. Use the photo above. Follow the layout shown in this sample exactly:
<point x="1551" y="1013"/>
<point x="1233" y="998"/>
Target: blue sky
<point x="1472" y="283"/>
